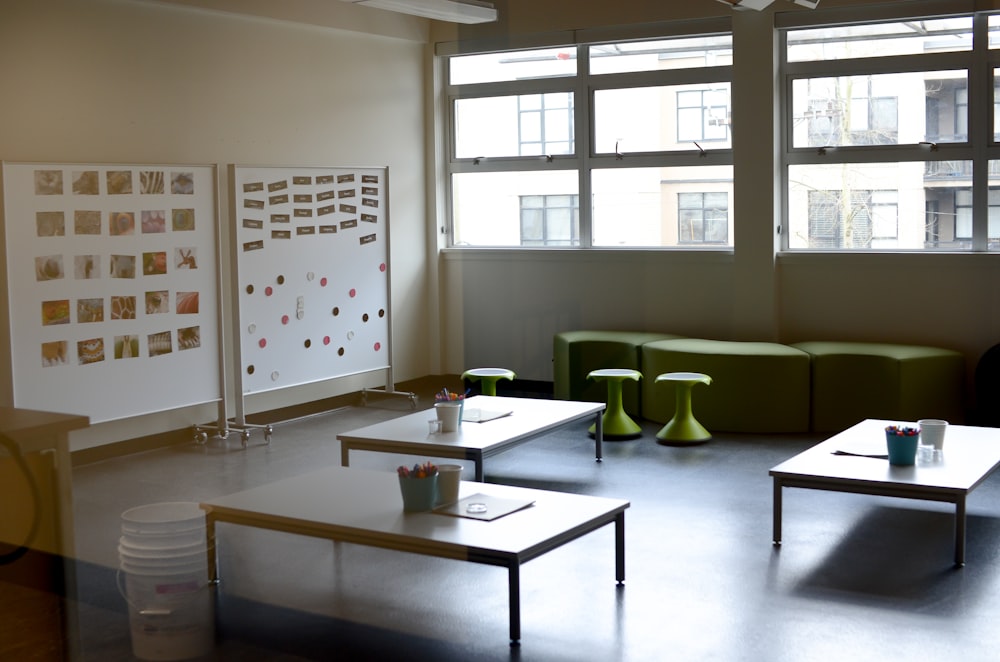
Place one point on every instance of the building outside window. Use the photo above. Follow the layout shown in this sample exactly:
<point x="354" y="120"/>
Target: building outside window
<point x="703" y="218"/>
<point x="639" y="124"/>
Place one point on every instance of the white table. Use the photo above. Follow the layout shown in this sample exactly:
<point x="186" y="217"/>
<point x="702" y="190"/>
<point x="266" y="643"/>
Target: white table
<point x="971" y="454"/>
<point x="365" y="508"/>
<point x="530" y="418"/>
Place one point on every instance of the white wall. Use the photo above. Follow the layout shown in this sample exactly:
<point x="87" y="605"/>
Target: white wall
<point x="130" y="81"/>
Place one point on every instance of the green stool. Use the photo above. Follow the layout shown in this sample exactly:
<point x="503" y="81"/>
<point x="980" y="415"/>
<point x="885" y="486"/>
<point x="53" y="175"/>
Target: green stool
<point x="616" y="423"/>
<point x="488" y="377"/>
<point x="683" y="428"/>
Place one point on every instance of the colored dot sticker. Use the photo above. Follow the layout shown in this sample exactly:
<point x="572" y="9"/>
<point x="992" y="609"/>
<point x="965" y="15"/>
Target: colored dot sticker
<point x="308" y="343"/>
<point x="284" y="319"/>
<point x="251" y="329"/>
<point x="364" y="318"/>
<point x="274" y="376"/>
<point x="322" y="281"/>
<point x="250" y="369"/>
<point x="262" y="343"/>
<point x="381" y="312"/>
<point x="249" y="289"/>
<point x="281" y="280"/>
<point x="353" y="293"/>
<point x="340" y="352"/>
<point x="309" y="276"/>
<point x="381" y="267"/>
<point x="350" y="335"/>
<point x="335" y="311"/>
<point x="378" y="346"/>
<point x="326" y="340"/>
<point x="268" y="291"/>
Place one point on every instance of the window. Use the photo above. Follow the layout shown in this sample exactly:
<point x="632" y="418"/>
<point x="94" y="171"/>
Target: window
<point x="643" y="123"/>
<point x="549" y="220"/>
<point x="703" y="218"/>
<point x="880" y="133"/>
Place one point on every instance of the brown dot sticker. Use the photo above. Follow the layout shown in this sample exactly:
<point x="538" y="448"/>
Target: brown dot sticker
<point x="381" y="312"/>
<point x="249" y="289"/>
<point x="308" y="343"/>
<point x="281" y="280"/>
<point x="336" y="311"/>
<point x="364" y="318"/>
<point x="249" y="369"/>
<point x="340" y="352"/>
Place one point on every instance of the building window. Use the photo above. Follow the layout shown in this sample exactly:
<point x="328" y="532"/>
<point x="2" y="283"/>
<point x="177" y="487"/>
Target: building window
<point x="532" y="134"/>
<point x="879" y="134"/>
<point x="703" y="218"/>
<point x="550" y="220"/>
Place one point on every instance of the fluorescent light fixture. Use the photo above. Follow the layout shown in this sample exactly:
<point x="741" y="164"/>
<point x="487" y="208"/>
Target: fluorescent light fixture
<point x="453" y="11"/>
<point x="763" y="4"/>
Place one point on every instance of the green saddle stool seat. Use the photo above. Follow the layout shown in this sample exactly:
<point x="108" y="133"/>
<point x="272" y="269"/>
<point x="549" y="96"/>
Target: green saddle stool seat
<point x="488" y="378"/>
<point x="683" y="428"/>
<point x="616" y="424"/>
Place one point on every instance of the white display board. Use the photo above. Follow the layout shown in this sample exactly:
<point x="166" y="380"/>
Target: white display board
<point x="312" y="255"/>
<point x="113" y="282"/>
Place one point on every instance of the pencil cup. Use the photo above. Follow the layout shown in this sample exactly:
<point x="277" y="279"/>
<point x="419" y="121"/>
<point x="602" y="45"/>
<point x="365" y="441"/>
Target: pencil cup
<point x="449" y="413"/>
<point x="419" y="494"/>
<point x="902" y="449"/>
<point x="449" y="476"/>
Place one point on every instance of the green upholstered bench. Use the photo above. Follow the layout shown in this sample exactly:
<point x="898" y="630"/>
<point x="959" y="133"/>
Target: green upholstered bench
<point x="577" y="353"/>
<point x="757" y="387"/>
<point x="852" y="381"/>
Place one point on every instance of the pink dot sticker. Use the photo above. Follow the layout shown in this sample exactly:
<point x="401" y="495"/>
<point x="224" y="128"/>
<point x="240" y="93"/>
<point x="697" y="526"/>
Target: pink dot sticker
<point x="353" y="293"/>
<point x="326" y="340"/>
<point x="378" y="346"/>
<point x="284" y="319"/>
<point x="381" y="267"/>
<point x="322" y="281"/>
<point x="268" y="291"/>
<point x="262" y="343"/>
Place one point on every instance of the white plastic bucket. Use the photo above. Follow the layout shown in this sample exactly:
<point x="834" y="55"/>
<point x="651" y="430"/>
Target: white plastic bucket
<point x="164" y="565"/>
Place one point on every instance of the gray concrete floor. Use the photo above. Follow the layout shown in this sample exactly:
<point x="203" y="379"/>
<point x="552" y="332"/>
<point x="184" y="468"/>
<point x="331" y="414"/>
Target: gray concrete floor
<point x="857" y="577"/>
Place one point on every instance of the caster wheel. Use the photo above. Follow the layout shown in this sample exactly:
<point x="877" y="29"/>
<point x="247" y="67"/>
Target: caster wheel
<point x="267" y="434"/>
<point x="244" y="438"/>
<point x="200" y="437"/>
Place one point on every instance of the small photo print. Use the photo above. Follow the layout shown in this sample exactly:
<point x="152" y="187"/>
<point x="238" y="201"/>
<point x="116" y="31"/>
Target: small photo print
<point x="159" y="343"/>
<point x="87" y="267"/>
<point x="154" y="263"/>
<point x="182" y="220"/>
<point x="121" y="223"/>
<point x="54" y="353"/>
<point x="122" y="266"/>
<point x="126" y="347"/>
<point x="150" y="181"/>
<point x="86" y="182"/>
<point x="186" y="258"/>
<point x="48" y="267"/>
<point x="188" y="338"/>
<point x="123" y="308"/>
<point x="48" y="182"/>
<point x="90" y="351"/>
<point x="55" y="312"/>
<point x="87" y="221"/>
<point x="50" y="224"/>
<point x="119" y="182"/>
<point x="154" y="221"/>
<point x="157" y="302"/>
<point x="89" y="310"/>
<point x="187" y="303"/>
<point x="182" y="183"/>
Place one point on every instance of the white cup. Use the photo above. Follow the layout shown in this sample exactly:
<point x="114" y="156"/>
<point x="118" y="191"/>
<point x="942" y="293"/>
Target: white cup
<point x="449" y="476"/>
<point x="932" y="432"/>
<point x="447" y="413"/>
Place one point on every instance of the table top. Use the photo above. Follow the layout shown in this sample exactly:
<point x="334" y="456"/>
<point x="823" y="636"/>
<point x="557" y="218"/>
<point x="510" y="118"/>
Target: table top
<point x="971" y="454"/>
<point x="366" y="507"/>
<point x="529" y="417"/>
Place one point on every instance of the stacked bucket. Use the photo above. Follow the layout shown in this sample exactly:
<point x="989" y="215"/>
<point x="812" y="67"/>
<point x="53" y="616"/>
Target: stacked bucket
<point x="164" y="564"/>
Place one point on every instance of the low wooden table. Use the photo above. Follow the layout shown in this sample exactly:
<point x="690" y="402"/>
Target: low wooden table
<point x="365" y="508"/>
<point x="971" y="454"/>
<point x="529" y="418"/>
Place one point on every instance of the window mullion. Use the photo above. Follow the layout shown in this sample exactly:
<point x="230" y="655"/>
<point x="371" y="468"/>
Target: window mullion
<point x="583" y="120"/>
<point x="980" y="130"/>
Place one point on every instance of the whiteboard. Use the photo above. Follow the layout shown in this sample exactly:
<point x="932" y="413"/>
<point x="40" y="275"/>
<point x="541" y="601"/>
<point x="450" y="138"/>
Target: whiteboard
<point x="312" y="259"/>
<point x="112" y="273"/>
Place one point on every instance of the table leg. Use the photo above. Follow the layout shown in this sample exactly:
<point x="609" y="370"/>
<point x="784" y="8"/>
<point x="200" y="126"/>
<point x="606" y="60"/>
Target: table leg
<point x="478" y="461"/>
<point x="599" y="436"/>
<point x="620" y="547"/>
<point x="213" y="562"/>
<point x="345" y="454"/>
<point x="960" y="517"/>
<point x="514" y="595"/>
<point x="776" y="530"/>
